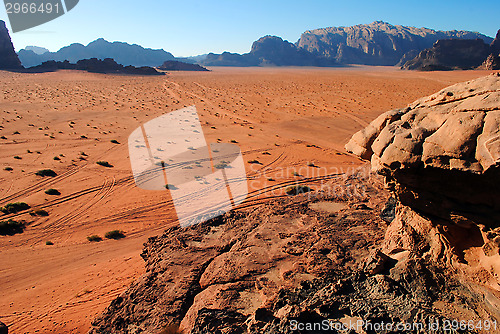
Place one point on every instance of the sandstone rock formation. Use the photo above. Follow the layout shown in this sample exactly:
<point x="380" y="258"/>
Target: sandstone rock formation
<point x="450" y="54"/>
<point x="8" y="57"/>
<point x="440" y="157"/>
<point x="377" y="43"/>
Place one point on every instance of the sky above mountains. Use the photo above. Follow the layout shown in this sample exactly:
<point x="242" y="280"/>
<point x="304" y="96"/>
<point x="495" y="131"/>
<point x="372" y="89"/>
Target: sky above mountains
<point x="197" y="27"/>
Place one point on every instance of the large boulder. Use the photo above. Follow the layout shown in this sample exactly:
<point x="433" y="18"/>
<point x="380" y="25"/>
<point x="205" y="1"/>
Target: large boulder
<point x="440" y="157"/>
<point x="8" y="57"/>
<point x="441" y="154"/>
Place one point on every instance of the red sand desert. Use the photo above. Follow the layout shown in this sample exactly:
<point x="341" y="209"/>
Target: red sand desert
<point x="287" y="119"/>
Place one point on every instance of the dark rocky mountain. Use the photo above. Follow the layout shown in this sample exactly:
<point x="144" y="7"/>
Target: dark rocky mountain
<point x="457" y="54"/>
<point x="8" y="56"/>
<point x="420" y="245"/>
<point x="93" y="65"/>
<point x="495" y="45"/>
<point x="493" y="60"/>
<point x="377" y="43"/>
<point x="173" y="65"/>
<point x="268" y="51"/>
<point x="450" y="54"/>
<point x="123" y="53"/>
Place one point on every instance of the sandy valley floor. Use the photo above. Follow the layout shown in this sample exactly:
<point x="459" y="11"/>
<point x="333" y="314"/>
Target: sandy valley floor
<point x="288" y="119"/>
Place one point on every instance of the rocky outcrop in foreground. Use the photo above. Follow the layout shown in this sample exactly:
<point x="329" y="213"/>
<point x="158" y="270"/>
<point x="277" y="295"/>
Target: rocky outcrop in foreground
<point x="304" y="259"/>
<point x="8" y="57"/>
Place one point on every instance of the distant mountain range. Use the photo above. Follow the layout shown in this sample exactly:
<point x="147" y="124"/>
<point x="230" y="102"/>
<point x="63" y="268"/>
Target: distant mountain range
<point x="37" y="49"/>
<point x="377" y="43"/>
<point x="268" y="51"/>
<point x="122" y="53"/>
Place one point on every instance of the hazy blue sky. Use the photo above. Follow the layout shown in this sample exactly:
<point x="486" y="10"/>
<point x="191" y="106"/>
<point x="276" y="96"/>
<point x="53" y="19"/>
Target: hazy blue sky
<point x="194" y="27"/>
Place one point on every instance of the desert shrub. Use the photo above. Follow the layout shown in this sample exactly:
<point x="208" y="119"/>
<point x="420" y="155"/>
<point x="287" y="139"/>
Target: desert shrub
<point x="257" y="162"/>
<point x="234" y="141"/>
<point x="52" y="191"/>
<point x="41" y="213"/>
<point x="11" y="227"/>
<point x="83" y="137"/>
<point x="171" y="187"/>
<point x="114" y="141"/>
<point x="221" y="165"/>
<point x="296" y="190"/>
<point x="104" y="163"/>
<point x="94" y="238"/>
<point x="115" y="234"/>
<point x="14" y="207"/>
<point x="49" y="243"/>
<point x="295" y="174"/>
<point x="46" y="172"/>
<point x="8" y="169"/>
<point x="57" y="158"/>
<point x="17" y="133"/>
<point x="17" y="157"/>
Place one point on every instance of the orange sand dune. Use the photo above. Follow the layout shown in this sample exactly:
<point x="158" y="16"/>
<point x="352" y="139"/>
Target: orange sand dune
<point x="291" y="120"/>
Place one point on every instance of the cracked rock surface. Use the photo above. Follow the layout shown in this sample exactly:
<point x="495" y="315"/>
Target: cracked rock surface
<point x="306" y="259"/>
